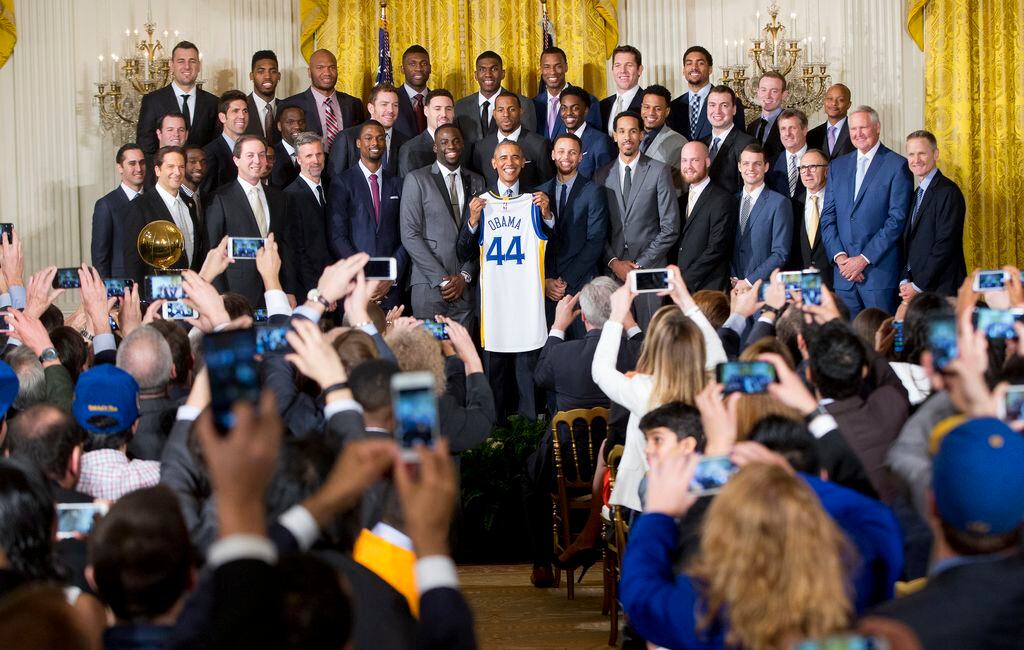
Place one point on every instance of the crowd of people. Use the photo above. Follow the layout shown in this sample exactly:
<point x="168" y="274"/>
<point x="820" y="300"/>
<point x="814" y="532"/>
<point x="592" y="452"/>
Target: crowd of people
<point x="868" y="483"/>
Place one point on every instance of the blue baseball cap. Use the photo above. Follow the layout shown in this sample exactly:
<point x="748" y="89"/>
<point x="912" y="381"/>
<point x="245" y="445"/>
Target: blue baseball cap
<point x="9" y="386"/>
<point x="106" y="390"/>
<point x="977" y="477"/>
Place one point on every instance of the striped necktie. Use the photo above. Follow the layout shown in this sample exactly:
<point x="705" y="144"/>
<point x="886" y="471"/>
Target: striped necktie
<point x="332" y="125"/>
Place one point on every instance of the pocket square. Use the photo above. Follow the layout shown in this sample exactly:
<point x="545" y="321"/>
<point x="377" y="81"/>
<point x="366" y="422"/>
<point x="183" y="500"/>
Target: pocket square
<point x="393" y="198"/>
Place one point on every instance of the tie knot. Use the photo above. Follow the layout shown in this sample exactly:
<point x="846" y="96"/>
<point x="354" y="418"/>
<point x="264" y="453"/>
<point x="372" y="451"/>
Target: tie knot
<point x="373" y="177"/>
<point x="508" y="192"/>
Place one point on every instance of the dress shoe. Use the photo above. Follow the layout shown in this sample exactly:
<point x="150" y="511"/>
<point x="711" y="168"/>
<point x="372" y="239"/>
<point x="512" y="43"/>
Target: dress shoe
<point x="542" y="577"/>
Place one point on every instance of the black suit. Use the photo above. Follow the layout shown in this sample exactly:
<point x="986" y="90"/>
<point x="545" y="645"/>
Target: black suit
<point x="108" y="233"/>
<point x="256" y="122"/>
<point x="773" y="142"/>
<point x="801" y="254"/>
<point x="705" y="248"/>
<point x="725" y="170"/>
<point x="203" y="109"/>
<point x="416" y="153"/>
<point x="608" y="105"/>
<point x="307" y="238"/>
<point x="284" y="171"/>
<point x="345" y="154"/>
<point x="933" y="243"/>
<point x="817" y="138"/>
<point x="351" y="109"/>
<point x="220" y="165"/>
<point x="147" y="208"/>
<point x="406" y="122"/>
<point x="679" y="118"/>
<point x="537" y="167"/>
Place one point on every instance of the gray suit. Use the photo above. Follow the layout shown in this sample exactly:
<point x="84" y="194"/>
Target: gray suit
<point x="666" y="148"/>
<point x="416" y="153"/>
<point x="430" y="231"/>
<point x="646" y="226"/>
<point x="467" y="116"/>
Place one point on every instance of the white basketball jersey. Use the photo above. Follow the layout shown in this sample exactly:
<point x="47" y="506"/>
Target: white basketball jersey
<point x="512" y="245"/>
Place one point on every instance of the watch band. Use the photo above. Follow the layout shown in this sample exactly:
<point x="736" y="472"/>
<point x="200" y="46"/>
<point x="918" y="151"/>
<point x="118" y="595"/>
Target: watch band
<point x="819" y="411"/>
<point x="341" y="385"/>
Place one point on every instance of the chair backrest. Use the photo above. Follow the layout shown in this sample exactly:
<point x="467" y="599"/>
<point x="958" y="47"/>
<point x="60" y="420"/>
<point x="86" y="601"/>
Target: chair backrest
<point x="581" y="454"/>
<point x="619" y="526"/>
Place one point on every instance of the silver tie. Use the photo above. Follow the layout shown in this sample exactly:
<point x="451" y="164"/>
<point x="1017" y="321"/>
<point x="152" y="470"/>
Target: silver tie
<point x="745" y="213"/>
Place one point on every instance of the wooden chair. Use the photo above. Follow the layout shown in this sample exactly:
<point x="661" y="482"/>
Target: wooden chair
<point x="612" y="553"/>
<point x="574" y="494"/>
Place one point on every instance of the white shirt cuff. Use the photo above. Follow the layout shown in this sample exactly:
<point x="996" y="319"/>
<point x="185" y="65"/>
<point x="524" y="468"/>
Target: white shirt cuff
<point x="241" y="547"/>
<point x="18" y="296"/>
<point x="339" y="405"/>
<point x="865" y="258"/>
<point x="103" y="342"/>
<point x="766" y="319"/>
<point x="836" y="256"/>
<point x="916" y="288"/>
<point x="633" y="331"/>
<point x="557" y="333"/>
<point x="189" y="413"/>
<point x="821" y="425"/>
<point x="301" y="525"/>
<point x="5" y="300"/>
<point x="370" y="329"/>
<point x="304" y="311"/>
<point x="434" y="572"/>
<point x="737" y="323"/>
<point x="277" y="303"/>
<point x="550" y="223"/>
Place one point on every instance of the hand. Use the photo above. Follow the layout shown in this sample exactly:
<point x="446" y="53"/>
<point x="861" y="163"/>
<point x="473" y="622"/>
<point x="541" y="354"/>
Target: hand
<point x="94" y="299"/>
<point x="216" y="261"/>
<point x="826" y="311"/>
<point x="476" y="209"/>
<point x="901" y="311"/>
<point x="241" y="464"/>
<point x="357" y="300"/>
<point x="621" y="268"/>
<point x="679" y="293"/>
<point x="628" y="322"/>
<point x="78" y="321"/>
<point x="554" y="288"/>
<point x="719" y="417"/>
<point x="428" y="498"/>
<point x="455" y="287"/>
<point x="1014" y="287"/>
<point x="966" y="296"/>
<point x="393" y="314"/>
<point x="668" y="484"/>
<point x="381" y="290"/>
<point x="853" y="267"/>
<point x="405" y="323"/>
<point x="199" y="396"/>
<point x="205" y="299"/>
<point x="541" y="200"/>
<point x="463" y="345"/>
<point x="40" y="293"/>
<point x="775" y="293"/>
<point x="153" y="312"/>
<point x="621" y="300"/>
<point x="14" y="260"/>
<point x="789" y="389"/>
<point x="360" y="464"/>
<point x="566" y="312"/>
<point x="748" y="451"/>
<point x="29" y="330"/>
<point x="336" y="280"/>
<point x="907" y="292"/>
<point x="965" y="375"/>
<point x="743" y="301"/>
<point x="129" y="316"/>
<point x="313" y="355"/>
<point x="268" y="264"/>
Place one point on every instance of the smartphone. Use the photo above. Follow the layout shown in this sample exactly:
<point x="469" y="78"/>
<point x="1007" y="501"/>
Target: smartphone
<point x="113" y="323"/>
<point x="7" y="229"/>
<point x="414" y="400"/>
<point x="996" y="323"/>
<point x="1012" y="407"/>
<point x="244" y="248"/>
<point x="712" y="473"/>
<point x="992" y="280"/>
<point x="234" y="374"/>
<point x="942" y="340"/>
<point x="381" y="268"/>
<point x="77" y="518"/>
<point x="844" y="642"/>
<point x="439" y="330"/>
<point x="749" y="377"/>
<point x="897" y="336"/>
<point x="271" y="338"/>
<point x="761" y="289"/>
<point x="176" y="310"/>
<point x="649" y="280"/>
<point x="165" y="287"/>
<point x="791" y="280"/>
<point x="810" y="286"/>
<point x="116" y="286"/>
<point x="259" y="315"/>
<point x="67" y="278"/>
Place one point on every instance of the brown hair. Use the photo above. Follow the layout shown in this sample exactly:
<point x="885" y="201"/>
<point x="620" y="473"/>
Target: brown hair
<point x="418" y="350"/>
<point x="751" y="409"/>
<point x="714" y="305"/>
<point x="673" y="354"/>
<point x="354" y="347"/>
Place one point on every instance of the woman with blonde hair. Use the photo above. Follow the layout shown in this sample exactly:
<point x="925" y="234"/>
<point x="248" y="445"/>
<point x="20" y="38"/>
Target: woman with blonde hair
<point x="751" y="409"/>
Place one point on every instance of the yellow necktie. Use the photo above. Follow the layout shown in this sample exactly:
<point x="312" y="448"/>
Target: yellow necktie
<point x="257" y="210"/>
<point x="812" y="225"/>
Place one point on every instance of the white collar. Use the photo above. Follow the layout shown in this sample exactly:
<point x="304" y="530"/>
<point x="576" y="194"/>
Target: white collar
<point x="502" y="188"/>
<point x="631" y="165"/>
<point x="556" y="95"/>
<point x="756" y="194"/>
<point x="312" y="185"/>
<point x="724" y="134"/>
<point x="287" y="147"/>
<point x="261" y="105"/>
<point x="247" y="187"/>
<point x="366" y="171"/>
<point x="178" y="92"/>
<point x="514" y="136"/>
<point x="129" y="192"/>
<point x="579" y="132"/>
<point x="166" y="196"/>
<point x="838" y="125"/>
<point x="627" y="97"/>
<point x="445" y="172"/>
<point x="480" y="99"/>
<point x="411" y="92"/>
<point x="799" y="154"/>
<point x="870" y="155"/>
<point x="699" y="187"/>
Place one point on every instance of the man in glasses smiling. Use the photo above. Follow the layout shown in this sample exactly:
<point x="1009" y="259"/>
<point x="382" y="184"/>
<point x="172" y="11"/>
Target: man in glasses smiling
<point x="808" y="249"/>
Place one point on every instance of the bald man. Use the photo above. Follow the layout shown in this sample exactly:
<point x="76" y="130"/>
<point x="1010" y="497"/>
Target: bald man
<point x="709" y="216"/>
<point x="327" y="110"/>
<point x="833" y="136"/>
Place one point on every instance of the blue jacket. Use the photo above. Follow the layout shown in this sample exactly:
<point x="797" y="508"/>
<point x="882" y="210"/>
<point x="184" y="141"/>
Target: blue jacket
<point x="764" y="245"/>
<point x="540" y="107"/>
<point x="579" y="235"/>
<point x="598" y="151"/>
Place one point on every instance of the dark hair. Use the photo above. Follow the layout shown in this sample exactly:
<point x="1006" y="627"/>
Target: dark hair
<point x="867" y="323"/>
<point x="193" y="147"/>
<point x="414" y="49"/>
<point x="630" y="114"/>
<point x="183" y="45"/>
<point x="141" y="554"/>
<point x="370" y="122"/>
<point x="52" y="318"/>
<point x="700" y="50"/>
<point x="380" y="88"/>
<point x="161" y="153"/>
<point x="237" y="151"/>
<point x="576" y="91"/>
<point x="181" y="349"/>
<point x="554" y="50"/>
<point x="96" y="441"/>
<point x="230" y="96"/>
<point x="370" y="382"/>
<point x="724" y="90"/>
<point x="794" y="112"/>
<point x="450" y="125"/>
<point x="489" y="54"/>
<point x="791" y="440"/>
<point x="259" y="55"/>
<point x="71" y="350"/>
<point x="45" y="436"/>
<point x="302" y="466"/>
<point x="920" y="311"/>
<point x="236" y="304"/>
<point x="771" y="74"/>
<point x="660" y="91"/>
<point x="317" y="610"/>
<point x="26" y="520"/>
<point x="837" y="360"/>
<point x="437" y="92"/>
<point x="678" y="417"/>
<point x="755" y="148"/>
<point x="354" y="347"/>
<point x="506" y="93"/>
<point x="628" y="49"/>
<point x="967" y="543"/>
<point x="123" y="149"/>
<point x="821" y="153"/>
<point x="174" y="115"/>
<point x="565" y="135"/>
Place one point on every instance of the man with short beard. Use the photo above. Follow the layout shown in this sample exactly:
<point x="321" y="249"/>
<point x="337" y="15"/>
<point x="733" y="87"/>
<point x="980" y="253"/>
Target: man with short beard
<point x="262" y="101"/>
<point x="195" y="171"/>
<point x="233" y="113"/>
<point x="833" y="135"/>
<point x="290" y="121"/>
<point x="508" y="119"/>
<point x="420" y="151"/>
<point x="307" y="213"/>
<point x="709" y="217"/>
<point x="412" y="95"/>
<point x="328" y="111"/>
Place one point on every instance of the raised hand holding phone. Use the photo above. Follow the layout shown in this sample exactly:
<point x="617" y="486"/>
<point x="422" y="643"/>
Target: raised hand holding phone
<point x="428" y="496"/>
<point x="668" y="484"/>
<point x="40" y="293"/>
<point x="313" y="355"/>
<point x="621" y="300"/>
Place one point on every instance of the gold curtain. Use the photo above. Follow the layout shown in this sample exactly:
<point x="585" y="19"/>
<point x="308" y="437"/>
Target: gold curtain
<point x="8" y="32"/>
<point x="974" y="104"/>
<point x="455" y="31"/>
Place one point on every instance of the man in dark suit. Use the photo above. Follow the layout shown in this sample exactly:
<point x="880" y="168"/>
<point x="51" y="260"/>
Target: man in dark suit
<point x="195" y="171"/>
<point x="808" y="248"/>
<point x="627" y="66"/>
<point x="784" y="174"/>
<point x="328" y="111"/>
<point x="833" y="135"/>
<point x="245" y="208"/>
<point x="307" y="214"/>
<point x="547" y="103"/>
<point x="866" y="202"/>
<point x="772" y="94"/>
<point x="475" y="114"/>
<point x="181" y="95"/>
<point x="764" y="232"/>
<point x="660" y="141"/>
<point x="726" y="141"/>
<point x="290" y="122"/>
<point x="170" y="132"/>
<point x="108" y="216"/>
<point x="262" y="101"/>
<point x="643" y="211"/>
<point x="689" y="114"/>
<point x="537" y="166"/>
<point x="164" y="202"/>
<point x="581" y="224"/>
<point x="383" y="106"/>
<point x="363" y="213"/>
<point x="933" y="242"/>
<point x="597" y="149"/>
<point x="412" y="95"/>
<point x="233" y="113"/>
<point x="420" y="151"/>
<point x="709" y="224"/>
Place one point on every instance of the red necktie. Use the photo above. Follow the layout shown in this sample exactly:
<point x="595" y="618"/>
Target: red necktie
<point x="375" y="195"/>
<point x="417" y="111"/>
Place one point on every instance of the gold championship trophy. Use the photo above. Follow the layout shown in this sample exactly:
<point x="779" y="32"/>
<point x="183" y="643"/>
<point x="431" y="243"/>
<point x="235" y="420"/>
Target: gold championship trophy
<point x="160" y="244"/>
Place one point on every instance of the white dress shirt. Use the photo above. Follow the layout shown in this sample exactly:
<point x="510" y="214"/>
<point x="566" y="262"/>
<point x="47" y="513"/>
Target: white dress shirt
<point x="623" y="100"/>
<point x="446" y="176"/>
<point x="129" y="192"/>
<point x="809" y="209"/>
<point x="514" y="136"/>
<point x="694" y="194"/>
<point x="312" y="186"/>
<point x="179" y="212"/>
<point x="622" y="172"/>
<point x="261" y="110"/>
<point x="246" y="188"/>
<point x="178" y="92"/>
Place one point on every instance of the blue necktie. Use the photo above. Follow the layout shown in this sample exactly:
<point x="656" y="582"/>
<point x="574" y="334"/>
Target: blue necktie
<point x="508" y="193"/>
<point x="917" y="206"/>
<point x="563" y="198"/>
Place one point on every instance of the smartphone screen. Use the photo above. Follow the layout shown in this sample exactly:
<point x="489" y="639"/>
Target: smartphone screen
<point x="791" y="280"/>
<point x="244" y="248"/>
<point x="942" y="340"/>
<point x="165" y="287"/>
<point x="234" y="373"/>
<point x="116" y="286"/>
<point x="7" y="229"/>
<point x="67" y="278"/>
<point x="750" y="377"/>
<point x="996" y="323"/>
<point x="712" y="473"/>
<point x="844" y="642"/>
<point x="259" y="315"/>
<point x="439" y="330"/>
<point x="1013" y="404"/>
<point x="271" y="338"/>
<point x="990" y="280"/>
<point x="897" y="336"/>
<point x="77" y="518"/>
<point x="651" y="280"/>
<point x="810" y="287"/>
<point x="416" y="419"/>
<point x="380" y="268"/>
<point x="176" y="310"/>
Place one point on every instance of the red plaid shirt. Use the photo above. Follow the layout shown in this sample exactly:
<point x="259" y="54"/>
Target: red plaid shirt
<point x="108" y="474"/>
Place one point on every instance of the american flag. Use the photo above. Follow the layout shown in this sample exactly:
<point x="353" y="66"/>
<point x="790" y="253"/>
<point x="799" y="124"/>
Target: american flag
<point x="384" y="72"/>
<point x="547" y="28"/>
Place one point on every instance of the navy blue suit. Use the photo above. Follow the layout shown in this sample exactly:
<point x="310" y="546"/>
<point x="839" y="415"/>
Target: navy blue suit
<point x="764" y="245"/>
<point x="870" y="224"/>
<point x="679" y="119"/>
<point x="540" y="105"/>
<point x="598" y="151"/>
<point x="108" y="233"/>
<point x="579" y="235"/>
<point x="777" y="177"/>
<point x="352" y="228"/>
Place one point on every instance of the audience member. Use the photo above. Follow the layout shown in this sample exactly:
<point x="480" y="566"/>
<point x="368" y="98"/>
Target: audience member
<point x="145" y="355"/>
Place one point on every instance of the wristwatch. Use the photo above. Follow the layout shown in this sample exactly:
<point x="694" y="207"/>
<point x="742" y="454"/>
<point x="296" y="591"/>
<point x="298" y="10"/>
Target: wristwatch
<point x="817" y="412"/>
<point x="773" y="310"/>
<point x="314" y="295"/>
<point x="49" y="354"/>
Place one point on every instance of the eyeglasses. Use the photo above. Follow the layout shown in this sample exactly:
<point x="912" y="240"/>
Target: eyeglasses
<point x="807" y="168"/>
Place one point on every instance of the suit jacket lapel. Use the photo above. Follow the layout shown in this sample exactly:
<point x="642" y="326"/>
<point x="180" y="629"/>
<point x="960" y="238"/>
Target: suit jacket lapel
<point x="869" y="176"/>
<point x="616" y="181"/>
<point x="926" y="201"/>
<point x="702" y="200"/>
<point x="755" y="211"/>
<point x="638" y="178"/>
<point x="243" y="200"/>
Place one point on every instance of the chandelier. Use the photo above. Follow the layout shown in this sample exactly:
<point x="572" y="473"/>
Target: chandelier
<point x="806" y="79"/>
<point x="145" y="69"/>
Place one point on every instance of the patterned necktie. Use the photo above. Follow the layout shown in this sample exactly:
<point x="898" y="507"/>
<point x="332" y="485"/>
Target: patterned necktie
<point x="257" y="210"/>
<point x="508" y="193"/>
<point x="745" y="213"/>
<point x="552" y="114"/>
<point x="186" y="112"/>
<point x="453" y="196"/>
<point x="831" y="139"/>
<point x="563" y="198"/>
<point x="331" y="127"/>
<point x="375" y="195"/>
<point x="714" y="148"/>
<point x="694" y="114"/>
<point x="919" y="196"/>
<point x="627" y="184"/>
<point x="862" y="168"/>
<point x="268" y="120"/>
<point x="417" y="112"/>
<point x="812" y="223"/>
<point x="794" y="175"/>
<point x="485" y="118"/>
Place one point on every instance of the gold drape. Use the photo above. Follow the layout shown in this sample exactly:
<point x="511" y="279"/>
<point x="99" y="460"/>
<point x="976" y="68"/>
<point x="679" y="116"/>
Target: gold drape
<point x="455" y="31"/>
<point x="974" y="104"/>
<point x="8" y="32"/>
